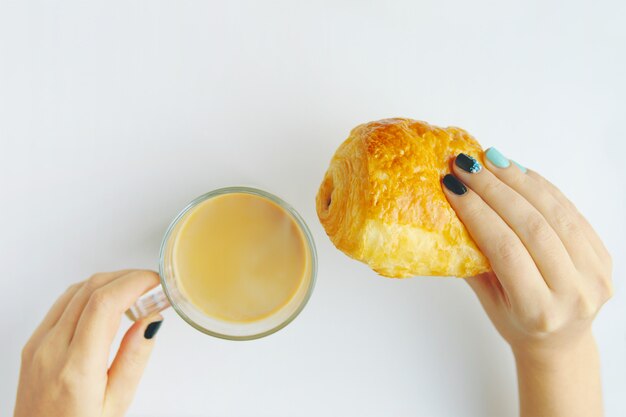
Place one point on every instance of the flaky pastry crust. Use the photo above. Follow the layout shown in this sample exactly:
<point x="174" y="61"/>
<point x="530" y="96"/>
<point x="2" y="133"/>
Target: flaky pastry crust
<point x="381" y="200"/>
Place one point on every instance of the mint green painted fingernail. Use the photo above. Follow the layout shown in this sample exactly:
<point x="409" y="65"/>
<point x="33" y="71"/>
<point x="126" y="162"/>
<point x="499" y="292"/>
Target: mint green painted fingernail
<point x="521" y="167"/>
<point x="496" y="158"/>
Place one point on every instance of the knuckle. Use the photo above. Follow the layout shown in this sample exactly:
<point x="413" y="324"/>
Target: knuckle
<point x="585" y="307"/>
<point x="493" y="188"/>
<point x="538" y="227"/>
<point x="564" y="221"/>
<point x="474" y="211"/>
<point x="606" y="289"/>
<point x="530" y="323"/>
<point x="538" y="318"/>
<point x="517" y="180"/>
<point x="96" y="281"/>
<point x="68" y="379"/>
<point x="28" y="352"/>
<point x="568" y="203"/>
<point x="544" y="322"/>
<point x="151" y="274"/>
<point x="99" y="299"/>
<point x="507" y="249"/>
<point x="40" y="357"/>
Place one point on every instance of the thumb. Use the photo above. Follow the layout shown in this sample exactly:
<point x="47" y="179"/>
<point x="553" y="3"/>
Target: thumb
<point x="129" y="363"/>
<point x="477" y="284"/>
<point x="486" y="287"/>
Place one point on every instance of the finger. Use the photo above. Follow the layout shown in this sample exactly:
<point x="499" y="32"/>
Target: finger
<point x="589" y="231"/>
<point x="540" y="240"/>
<point x="66" y="324"/>
<point x="129" y="364"/>
<point x="488" y="289"/>
<point x="492" y="296"/>
<point x="53" y="315"/>
<point x="560" y="218"/>
<point x="508" y="257"/>
<point x="101" y="317"/>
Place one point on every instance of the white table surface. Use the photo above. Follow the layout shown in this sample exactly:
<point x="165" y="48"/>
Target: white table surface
<point x="113" y="115"/>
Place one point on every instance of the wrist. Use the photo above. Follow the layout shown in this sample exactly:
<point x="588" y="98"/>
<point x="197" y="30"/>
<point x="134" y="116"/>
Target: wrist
<point x="552" y="355"/>
<point x="559" y="377"/>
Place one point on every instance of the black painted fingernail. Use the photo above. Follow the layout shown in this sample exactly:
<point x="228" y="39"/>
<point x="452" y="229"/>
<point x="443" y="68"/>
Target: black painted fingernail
<point x="467" y="163"/>
<point x="454" y="185"/>
<point x="152" y="329"/>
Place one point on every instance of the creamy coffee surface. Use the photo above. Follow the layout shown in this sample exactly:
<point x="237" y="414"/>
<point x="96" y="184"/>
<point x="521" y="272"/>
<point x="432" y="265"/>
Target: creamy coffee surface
<point x="239" y="257"/>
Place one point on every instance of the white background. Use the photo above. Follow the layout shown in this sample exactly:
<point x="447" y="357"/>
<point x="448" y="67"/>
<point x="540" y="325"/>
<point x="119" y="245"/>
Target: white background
<point x="113" y="115"/>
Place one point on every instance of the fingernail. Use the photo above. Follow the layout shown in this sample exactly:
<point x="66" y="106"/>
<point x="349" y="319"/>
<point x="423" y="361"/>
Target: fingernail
<point x="467" y="163"/>
<point x="454" y="185"/>
<point x="496" y="158"/>
<point x="521" y="167"/>
<point x="152" y="329"/>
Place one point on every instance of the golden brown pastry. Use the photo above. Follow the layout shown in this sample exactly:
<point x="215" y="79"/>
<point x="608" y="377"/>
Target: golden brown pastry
<point x="381" y="200"/>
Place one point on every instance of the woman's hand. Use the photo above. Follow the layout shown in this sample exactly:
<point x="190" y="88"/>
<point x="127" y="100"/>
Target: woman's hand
<point x="65" y="368"/>
<point x="550" y="276"/>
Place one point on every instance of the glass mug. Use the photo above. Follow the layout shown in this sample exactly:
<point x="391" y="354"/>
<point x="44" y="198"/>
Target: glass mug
<point x="169" y="292"/>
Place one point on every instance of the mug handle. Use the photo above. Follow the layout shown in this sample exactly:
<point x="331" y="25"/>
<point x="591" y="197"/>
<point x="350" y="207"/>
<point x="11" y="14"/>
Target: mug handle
<point x="151" y="302"/>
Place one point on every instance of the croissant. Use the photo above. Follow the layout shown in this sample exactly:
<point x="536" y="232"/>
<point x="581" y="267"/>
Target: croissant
<point x="381" y="200"/>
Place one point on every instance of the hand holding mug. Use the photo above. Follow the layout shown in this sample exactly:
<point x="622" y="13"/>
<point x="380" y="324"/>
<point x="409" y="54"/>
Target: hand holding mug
<point x="65" y="368"/>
